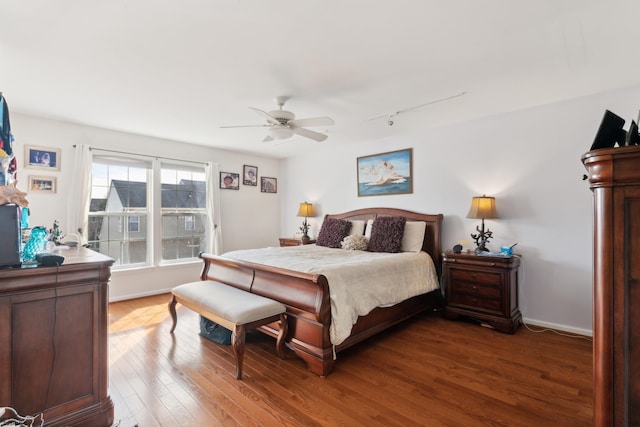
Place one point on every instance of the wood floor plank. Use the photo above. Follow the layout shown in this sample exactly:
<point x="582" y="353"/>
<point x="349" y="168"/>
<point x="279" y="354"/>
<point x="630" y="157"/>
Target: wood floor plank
<point x="425" y="371"/>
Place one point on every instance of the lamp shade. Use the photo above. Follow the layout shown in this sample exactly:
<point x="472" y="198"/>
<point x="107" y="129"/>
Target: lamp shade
<point x="305" y="210"/>
<point x="483" y="207"/>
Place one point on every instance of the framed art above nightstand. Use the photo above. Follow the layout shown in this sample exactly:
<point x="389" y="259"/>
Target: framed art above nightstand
<point x="483" y="288"/>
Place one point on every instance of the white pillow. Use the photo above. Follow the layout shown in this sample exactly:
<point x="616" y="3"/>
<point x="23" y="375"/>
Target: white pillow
<point x="413" y="236"/>
<point x="367" y="231"/>
<point x="357" y="227"/>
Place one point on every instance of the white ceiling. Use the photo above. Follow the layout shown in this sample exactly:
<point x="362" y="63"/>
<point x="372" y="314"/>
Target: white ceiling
<point x="181" y="69"/>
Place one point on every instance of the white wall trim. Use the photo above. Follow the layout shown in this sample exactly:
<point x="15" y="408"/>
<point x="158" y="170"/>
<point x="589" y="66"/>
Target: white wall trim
<point x="535" y="324"/>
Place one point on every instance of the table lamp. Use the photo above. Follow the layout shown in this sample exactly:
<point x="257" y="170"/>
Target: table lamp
<point x="481" y="208"/>
<point x="305" y="210"/>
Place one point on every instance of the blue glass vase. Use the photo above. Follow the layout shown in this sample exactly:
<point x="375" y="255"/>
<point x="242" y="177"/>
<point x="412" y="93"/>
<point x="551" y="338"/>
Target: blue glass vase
<point x="36" y="243"/>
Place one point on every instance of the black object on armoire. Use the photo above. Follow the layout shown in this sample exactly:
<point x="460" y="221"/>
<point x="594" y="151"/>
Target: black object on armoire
<point x="10" y="235"/>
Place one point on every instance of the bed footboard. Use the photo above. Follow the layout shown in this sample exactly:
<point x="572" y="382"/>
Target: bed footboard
<point x="306" y="297"/>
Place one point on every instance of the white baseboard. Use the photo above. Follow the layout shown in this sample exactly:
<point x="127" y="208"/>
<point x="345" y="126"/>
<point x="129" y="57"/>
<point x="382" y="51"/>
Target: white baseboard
<point x="558" y="327"/>
<point x="140" y="295"/>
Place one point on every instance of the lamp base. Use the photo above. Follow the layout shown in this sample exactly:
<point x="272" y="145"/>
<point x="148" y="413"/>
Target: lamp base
<point x="305" y="238"/>
<point x="481" y="249"/>
<point x="482" y="238"/>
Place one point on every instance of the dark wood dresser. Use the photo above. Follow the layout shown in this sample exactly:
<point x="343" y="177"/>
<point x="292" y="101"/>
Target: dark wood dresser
<point x="614" y="176"/>
<point x="53" y="340"/>
<point x="483" y="288"/>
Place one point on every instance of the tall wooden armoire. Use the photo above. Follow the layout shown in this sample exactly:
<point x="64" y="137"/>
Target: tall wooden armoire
<point x="614" y="176"/>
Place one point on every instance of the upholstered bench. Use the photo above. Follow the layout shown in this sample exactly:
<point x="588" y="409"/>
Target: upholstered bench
<point x="232" y="308"/>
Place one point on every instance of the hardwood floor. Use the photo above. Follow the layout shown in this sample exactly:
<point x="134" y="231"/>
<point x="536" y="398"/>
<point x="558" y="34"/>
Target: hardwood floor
<point x="427" y="371"/>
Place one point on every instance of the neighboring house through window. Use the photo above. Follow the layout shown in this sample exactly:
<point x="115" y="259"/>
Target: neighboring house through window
<point x="126" y="201"/>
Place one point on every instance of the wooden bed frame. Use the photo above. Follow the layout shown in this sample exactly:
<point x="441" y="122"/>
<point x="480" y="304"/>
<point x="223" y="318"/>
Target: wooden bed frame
<point x="306" y="296"/>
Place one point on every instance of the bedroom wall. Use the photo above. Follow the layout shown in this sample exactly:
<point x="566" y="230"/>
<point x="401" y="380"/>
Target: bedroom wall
<point x="242" y="225"/>
<point x="529" y="160"/>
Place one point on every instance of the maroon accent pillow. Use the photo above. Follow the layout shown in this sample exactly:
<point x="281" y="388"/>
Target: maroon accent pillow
<point x="386" y="234"/>
<point x="332" y="232"/>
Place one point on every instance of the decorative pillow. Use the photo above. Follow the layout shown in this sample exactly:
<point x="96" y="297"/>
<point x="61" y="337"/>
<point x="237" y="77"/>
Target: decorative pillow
<point x="413" y="236"/>
<point x="332" y="232"/>
<point x="367" y="230"/>
<point x="386" y="234"/>
<point x="357" y="227"/>
<point x="355" y="242"/>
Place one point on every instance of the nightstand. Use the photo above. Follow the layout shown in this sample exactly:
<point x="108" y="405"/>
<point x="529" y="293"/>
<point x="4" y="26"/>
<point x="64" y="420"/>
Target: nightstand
<point x="483" y="288"/>
<point x="290" y="241"/>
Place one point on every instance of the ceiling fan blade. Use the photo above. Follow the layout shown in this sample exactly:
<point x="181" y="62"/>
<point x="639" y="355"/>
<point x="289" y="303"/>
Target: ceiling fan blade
<point x="272" y="120"/>
<point x="267" y="138"/>
<point x="316" y="136"/>
<point x="245" y="126"/>
<point x="313" y="121"/>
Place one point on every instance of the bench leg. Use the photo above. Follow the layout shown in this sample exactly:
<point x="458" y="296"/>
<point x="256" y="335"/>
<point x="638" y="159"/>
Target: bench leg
<point x="237" y="342"/>
<point x="281" y="335"/>
<point x="172" y="310"/>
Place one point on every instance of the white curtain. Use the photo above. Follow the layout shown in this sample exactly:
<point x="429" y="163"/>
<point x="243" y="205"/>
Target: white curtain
<point x="214" y="230"/>
<point x="80" y="194"/>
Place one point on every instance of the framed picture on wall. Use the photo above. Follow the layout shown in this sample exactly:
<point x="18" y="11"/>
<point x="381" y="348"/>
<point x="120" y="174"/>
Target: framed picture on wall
<point x="229" y="181"/>
<point x="250" y="175"/>
<point x="45" y="184"/>
<point x="42" y="158"/>
<point x="268" y="185"/>
<point x="385" y="173"/>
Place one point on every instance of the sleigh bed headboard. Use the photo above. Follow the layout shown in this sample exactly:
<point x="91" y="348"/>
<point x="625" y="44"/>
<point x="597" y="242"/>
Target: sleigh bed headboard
<point x="432" y="234"/>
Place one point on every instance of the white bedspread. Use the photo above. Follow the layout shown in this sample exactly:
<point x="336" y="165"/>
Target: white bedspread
<point x="359" y="281"/>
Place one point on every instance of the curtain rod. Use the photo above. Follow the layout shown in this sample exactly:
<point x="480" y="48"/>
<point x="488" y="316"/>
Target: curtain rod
<point x="143" y="155"/>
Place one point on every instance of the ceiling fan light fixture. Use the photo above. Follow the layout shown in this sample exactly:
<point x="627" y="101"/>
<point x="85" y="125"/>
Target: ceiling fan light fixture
<point x="280" y="132"/>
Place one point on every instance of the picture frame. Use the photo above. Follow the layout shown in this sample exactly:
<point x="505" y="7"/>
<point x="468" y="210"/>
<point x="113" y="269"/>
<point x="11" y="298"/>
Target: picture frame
<point x="387" y="173"/>
<point x="250" y="175"/>
<point x="268" y="185"/>
<point x="229" y="181"/>
<point x="42" y="184"/>
<point x="42" y="158"/>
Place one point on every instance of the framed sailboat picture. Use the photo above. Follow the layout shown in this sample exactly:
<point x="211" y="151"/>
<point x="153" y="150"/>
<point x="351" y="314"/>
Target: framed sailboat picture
<point x="385" y="173"/>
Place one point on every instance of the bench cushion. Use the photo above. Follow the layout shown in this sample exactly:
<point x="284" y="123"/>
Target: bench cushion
<point x="230" y="303"/>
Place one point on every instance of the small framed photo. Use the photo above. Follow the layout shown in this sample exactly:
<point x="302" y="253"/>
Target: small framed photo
<point x="42" y="158"/>
<point x="46" y="184"/>
<point x="229" y="181"/>
<point x="250" y="175"/>
<point x="268" y="185"/>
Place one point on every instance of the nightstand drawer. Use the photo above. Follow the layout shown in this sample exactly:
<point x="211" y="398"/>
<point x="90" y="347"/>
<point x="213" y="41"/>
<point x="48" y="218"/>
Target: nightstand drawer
<point x="476" y="289"/>
<point x="490" y="304"/>
<point x="482" y="277"/>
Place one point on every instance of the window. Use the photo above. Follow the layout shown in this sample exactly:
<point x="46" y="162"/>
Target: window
<point x="126" y="201"/>
<point x="189" y="223"/>
<point x="183" y="211"/>
<point x="134" y="224"/>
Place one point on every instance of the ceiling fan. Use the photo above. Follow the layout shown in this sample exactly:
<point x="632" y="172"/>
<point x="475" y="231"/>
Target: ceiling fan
<point x="283" y="124"/>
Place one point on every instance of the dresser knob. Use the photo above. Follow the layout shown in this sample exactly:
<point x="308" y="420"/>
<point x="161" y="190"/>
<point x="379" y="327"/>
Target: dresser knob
<point x="474" y="288"/>
<point x="473" y="276"/>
